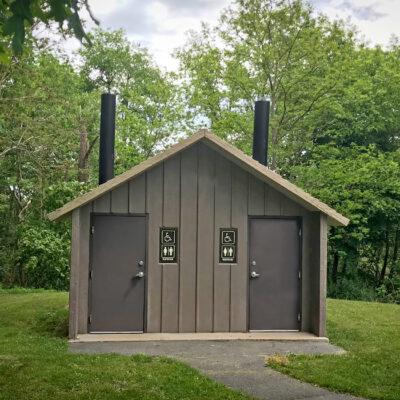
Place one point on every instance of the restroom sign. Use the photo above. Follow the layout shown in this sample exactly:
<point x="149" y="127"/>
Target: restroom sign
<point x="168" y="245"/>
<point x="228" y="246"/>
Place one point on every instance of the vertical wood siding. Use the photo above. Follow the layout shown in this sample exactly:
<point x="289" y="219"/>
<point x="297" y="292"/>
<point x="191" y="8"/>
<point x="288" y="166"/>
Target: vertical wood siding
<point x="205" y="240"/>
<point x="170" y="272"/>
<point x="222" y="272"/>
<point x="199" y="191"/>
<point x="74" y="275"/>
<point x="154" y="207"/>
<point x="83" y="257"/>
<point x="188" y="241"/>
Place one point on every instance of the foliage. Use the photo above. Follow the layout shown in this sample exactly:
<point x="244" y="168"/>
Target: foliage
<point x="40" y="106"/>
<point x="18" y="15"/>
<point x="43" y="258"/>
<point x="370" y="368"/>
<point x="151" y="113"/>
<point x="49" y="120"/>
<point x="35" y="361"/>
<point x="335" y="121"/>
<point x="335" y="118"/>
<point x="277" y="49"/>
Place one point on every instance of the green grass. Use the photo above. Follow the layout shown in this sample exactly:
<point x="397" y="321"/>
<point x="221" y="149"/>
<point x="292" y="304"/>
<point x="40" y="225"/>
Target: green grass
<point x="370" y="332"/>
<point x="35" y="363"/>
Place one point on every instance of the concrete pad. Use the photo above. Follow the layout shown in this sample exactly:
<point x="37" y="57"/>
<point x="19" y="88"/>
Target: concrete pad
<point x="215" y="336"/>
<point x="238" y="364"/>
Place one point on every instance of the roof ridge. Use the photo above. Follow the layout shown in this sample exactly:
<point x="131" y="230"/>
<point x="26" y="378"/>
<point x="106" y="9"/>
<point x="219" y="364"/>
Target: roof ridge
<point x="228" y="150"/>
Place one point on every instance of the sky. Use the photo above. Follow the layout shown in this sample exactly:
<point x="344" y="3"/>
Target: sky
<point x="162" y="25"/>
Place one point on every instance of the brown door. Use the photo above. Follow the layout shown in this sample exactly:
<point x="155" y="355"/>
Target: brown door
<point x="274" y="274"/>
<point x="117" y="277"/>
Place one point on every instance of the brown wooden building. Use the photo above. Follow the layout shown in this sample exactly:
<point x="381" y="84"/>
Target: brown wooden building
<point x="199" y="238"/>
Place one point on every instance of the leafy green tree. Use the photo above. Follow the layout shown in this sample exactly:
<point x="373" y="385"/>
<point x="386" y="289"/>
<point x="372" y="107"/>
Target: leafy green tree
<point x="364" y="184"/>
<point x="49" y="124"/>
<point x="40" y="100"/>
<point x="335" y="119"/>
<point x="18" y="17"/>
<point x="151" y="113"/>
<point x="274" y="48"/>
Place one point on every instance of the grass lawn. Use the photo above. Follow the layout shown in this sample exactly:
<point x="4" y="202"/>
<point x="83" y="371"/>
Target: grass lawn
<point x="370" y="332"/>
<point x="35" y="364"/>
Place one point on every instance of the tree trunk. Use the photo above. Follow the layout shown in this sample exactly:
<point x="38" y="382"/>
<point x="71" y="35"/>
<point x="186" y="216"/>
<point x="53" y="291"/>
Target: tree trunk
<point x="393" y="264"/>
<point x="83" y="162"/>
<point x="386" y="256"/>
<point x="335" y="267"/>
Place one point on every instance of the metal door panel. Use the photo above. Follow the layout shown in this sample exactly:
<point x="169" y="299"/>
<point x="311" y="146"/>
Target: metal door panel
<point x="275" y="293"/>
<point x="117" y="293"/>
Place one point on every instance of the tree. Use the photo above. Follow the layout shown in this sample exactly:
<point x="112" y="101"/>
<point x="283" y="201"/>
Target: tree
<point x="355" y="140"/>
<point x="40" y="99"/>
<point x="335" y="122"/>
<point x="274" y="48"/>
<point x="18" y="15"/>
<point x="49" y="124"/>
<point x="151" y="113"/>
<point x="364" y="184"/>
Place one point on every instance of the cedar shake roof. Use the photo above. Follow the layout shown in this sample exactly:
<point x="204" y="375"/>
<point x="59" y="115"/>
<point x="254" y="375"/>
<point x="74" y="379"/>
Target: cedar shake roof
<point x="227" y="150"/>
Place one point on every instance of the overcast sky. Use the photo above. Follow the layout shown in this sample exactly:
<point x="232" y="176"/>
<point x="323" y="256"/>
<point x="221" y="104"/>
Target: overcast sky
<point x="161" y="25"/>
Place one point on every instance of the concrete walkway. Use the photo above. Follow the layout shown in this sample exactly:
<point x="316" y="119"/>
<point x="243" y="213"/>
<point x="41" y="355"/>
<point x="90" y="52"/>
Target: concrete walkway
<point x="237" y="364"/>
<point x="214" y="336"/>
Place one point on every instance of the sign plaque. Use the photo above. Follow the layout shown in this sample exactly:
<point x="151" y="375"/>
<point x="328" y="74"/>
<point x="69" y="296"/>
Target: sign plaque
<point x="228" y="246"/>
<point x="168" y="245"/>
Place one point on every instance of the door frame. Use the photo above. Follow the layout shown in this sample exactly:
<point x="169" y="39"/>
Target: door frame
<point x="299" y="220"/>
<point x="115" y="214"/>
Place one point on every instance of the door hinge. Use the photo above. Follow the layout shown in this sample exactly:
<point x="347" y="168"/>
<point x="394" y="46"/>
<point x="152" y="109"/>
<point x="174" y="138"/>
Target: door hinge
<point x="90" y="274"/>
<point x="92" y="229"/>
<point x="90" y="319"/>
<point x="298" y="317"/>
<point x="299" y="231"/>
<point x="299" y="274"/>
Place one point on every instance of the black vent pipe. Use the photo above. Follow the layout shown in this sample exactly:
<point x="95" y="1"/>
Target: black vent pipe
<point x="260" y="137"/>
<point x="107" y="137"/>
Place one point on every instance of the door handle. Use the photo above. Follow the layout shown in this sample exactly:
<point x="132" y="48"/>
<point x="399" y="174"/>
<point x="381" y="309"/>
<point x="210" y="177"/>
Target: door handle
<point x="254" y="274"/>
<point x="140" y="274"/>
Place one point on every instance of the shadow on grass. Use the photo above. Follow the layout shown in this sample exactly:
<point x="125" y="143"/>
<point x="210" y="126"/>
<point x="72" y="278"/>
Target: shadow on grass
<point x="52" y="323"/>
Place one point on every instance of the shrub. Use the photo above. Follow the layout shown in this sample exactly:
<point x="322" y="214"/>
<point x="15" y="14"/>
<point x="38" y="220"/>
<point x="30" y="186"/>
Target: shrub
<point x="44" y="258"/>
<point x="352" y="288"/>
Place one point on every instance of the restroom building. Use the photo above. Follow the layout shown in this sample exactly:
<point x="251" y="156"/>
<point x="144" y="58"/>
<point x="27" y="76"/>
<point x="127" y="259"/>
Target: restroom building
<point x="199" y="238"/>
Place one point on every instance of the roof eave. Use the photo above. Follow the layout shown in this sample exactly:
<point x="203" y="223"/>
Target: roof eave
<point x="232" y="153"/>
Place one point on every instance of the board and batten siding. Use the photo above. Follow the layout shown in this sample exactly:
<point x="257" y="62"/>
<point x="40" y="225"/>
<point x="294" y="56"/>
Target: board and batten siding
<point x="199" y="191"/>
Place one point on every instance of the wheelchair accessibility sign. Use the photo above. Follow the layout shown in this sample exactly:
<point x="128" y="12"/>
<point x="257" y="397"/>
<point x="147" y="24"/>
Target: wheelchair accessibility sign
<point x="168" y="245"/>
<point x="228" y="246"/>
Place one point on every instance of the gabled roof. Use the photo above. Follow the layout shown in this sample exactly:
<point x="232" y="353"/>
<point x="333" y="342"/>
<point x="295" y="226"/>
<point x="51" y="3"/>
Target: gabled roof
<point x="233" y="154"/>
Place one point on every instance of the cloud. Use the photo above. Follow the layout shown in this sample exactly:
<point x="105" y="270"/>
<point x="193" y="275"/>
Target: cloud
<point x="161" y="25"/>
<point x="156" y="16"/>
<point x="364" y="13"/>
<point x="135" y="17"/>
<point x="192" y="6"/>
